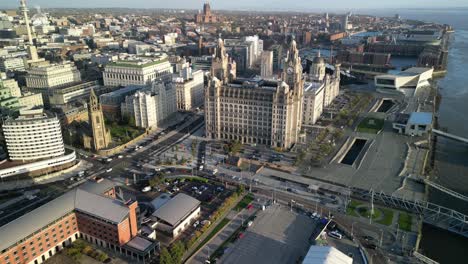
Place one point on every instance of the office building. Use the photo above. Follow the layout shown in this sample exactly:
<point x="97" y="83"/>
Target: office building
<point x="266" y="66"/>
<point x="142" y="107"/>
<point x="111" y="102"/>
<point x="189" y="87"/>
<point x="71" y="93"/>
<point x="176" y="214"/>
<point x="33" y="137"/>
<point x="137" y="71"/>
<point x="30" y="100"/>
<point x="320" y="90"/>
<point x="12" y="64"/>
<point x="45" y="77"/>
<point x="255" y="111"/>
<point x="91" y="212"/>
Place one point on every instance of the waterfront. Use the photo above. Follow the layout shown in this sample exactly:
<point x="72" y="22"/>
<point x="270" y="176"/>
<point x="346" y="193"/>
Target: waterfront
<point x="451" y="157"/>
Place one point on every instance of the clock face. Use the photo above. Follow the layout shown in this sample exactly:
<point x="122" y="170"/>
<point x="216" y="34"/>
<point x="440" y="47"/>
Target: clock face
<point x="290" y="70"/>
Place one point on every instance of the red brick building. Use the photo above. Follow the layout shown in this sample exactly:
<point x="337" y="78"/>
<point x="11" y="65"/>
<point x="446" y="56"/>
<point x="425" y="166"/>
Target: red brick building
<point x="207" y="17"/>
<point x="90" y="212"/>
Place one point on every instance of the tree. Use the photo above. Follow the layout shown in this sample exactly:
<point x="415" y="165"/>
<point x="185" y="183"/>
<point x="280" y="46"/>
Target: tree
<point x="177" y="252"/>
<point x="240" y="189"/>
<point x="165" y="257"/>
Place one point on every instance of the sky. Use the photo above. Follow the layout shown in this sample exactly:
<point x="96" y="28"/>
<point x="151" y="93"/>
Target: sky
<point x="287" y="5"/>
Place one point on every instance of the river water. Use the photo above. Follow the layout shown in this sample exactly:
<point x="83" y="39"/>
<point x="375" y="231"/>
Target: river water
<point x="451" y="157"/>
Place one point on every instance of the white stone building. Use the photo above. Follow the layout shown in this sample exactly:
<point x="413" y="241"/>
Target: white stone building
<point x="50" y="76"/>
<point x="255" y="111"/>
<point x="190" y="88"/>
<point x="136" y="71"/>
<point x="33" y="137"/>
<point x="266" y="65"/>
<point x="141" y="106"/>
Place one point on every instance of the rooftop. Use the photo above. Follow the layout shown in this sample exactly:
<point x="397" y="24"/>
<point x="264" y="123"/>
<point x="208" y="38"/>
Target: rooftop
<point x="420" y="118"/>
<point x="177" y="209"/>
<point x="76" y="199"/>
<point x="137" y="63"/>
<point x="326" y="255"/>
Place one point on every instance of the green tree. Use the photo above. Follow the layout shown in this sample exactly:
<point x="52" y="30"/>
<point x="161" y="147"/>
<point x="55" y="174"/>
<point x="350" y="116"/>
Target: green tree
<point x="240" y="189"/>
<point x="177" y="252"/>
<point x="165" y="257"/>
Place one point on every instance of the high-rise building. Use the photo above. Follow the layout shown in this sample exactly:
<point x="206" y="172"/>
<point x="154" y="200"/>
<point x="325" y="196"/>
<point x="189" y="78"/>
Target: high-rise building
<point x="189" y="87"/>
<point x="255" y="111"/>
<point x="142" y="107"/>
<point x="137" y="71"/>
<point x="100" y="135"/>
<point x="266" y="65"/>
<point x="33" y="137"/>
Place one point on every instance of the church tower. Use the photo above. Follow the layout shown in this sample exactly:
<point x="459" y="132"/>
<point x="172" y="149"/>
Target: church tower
<point x="101" y="137"/>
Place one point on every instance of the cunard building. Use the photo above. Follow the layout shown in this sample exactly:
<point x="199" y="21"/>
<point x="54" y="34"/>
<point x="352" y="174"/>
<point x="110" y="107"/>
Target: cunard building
<point x="254" y="111"/>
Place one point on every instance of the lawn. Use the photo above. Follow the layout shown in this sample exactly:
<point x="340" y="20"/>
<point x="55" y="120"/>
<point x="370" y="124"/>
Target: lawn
<point x="123" y="133"/>
<point x="351" y="209"/>
<point x="366" y="212"/>
<point x="370" y="125"/>
<point x="244" y="202"/>
<point x="387" y="218"/>
<point x="405" y="221"/>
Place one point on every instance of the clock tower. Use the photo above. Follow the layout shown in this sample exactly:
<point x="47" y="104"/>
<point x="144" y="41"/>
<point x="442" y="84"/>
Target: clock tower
<point x="292" y="70"/>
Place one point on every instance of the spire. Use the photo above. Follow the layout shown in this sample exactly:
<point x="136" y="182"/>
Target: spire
<point x="93" y="100"/>
<point x="220" y="50"/>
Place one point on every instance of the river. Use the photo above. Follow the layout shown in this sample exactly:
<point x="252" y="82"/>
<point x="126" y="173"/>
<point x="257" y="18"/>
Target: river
<point x="451" y="157"/>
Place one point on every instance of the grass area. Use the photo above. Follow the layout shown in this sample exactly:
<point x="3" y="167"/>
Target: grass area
<point x="123" y="133"/>
<point x="370" y="125"/>
<point x="405" y="221"/>
<point x="387" y="218"/>
<point x="215" y="230"/>
<point x="351" y="209"/>
<point x="366" y="212"/>
<point x="244" y="202"/>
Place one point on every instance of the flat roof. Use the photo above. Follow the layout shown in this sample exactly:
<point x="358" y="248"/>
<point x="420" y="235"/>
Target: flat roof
<point x="420" y="118"/>
<point x="139" y="243"/>
<point x="177" y="209"/>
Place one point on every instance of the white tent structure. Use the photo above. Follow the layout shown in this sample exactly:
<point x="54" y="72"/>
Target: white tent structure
<point x="326" y="255"/>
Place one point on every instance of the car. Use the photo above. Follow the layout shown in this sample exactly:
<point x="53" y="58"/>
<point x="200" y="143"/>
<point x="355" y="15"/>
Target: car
<point x="199" y="192"/>
<point x="146" y="189"/>
<point x="196" y="224"/>
<point x="249" y="223"/>
<point x="175" y="189"/>
<point x="219" y="189"/>
<point x="206" y="222"/>
<point x="335" y="234"/>
<point x="368" y="238"/>
<point x="194" y="188"/>
<point x="109" y="170"/>
<point x="120" y="156"/>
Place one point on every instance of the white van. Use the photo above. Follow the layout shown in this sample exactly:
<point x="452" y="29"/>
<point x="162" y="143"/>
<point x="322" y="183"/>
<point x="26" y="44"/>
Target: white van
<point x="335" y="234"/>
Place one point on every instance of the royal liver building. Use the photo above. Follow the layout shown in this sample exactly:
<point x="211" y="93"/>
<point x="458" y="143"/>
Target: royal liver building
<point x="255" y="111"/>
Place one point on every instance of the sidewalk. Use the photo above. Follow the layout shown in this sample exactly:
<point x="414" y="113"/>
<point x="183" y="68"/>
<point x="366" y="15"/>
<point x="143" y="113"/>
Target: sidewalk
<point x="237" y="219"/>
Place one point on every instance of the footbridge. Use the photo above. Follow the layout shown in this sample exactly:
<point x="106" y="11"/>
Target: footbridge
<point x="438" y="187"/>
<point x="429" y="213"/>
<point x="451" y="136"/>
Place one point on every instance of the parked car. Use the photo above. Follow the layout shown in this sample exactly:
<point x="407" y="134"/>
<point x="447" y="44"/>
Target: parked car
<point x="109" y="170"/>
<point x="196" y="224"/>
<point x="335" y="234"/>
<point x="146" y="189"/>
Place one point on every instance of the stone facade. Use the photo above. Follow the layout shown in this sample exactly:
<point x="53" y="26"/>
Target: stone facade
<point x="255" y="111"/>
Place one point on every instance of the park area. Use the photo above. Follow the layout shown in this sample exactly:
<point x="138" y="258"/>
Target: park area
<point x="370" y="125"/>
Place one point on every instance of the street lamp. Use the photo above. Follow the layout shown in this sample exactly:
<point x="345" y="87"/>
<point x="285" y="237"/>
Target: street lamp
<point x="381" y="237"/>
